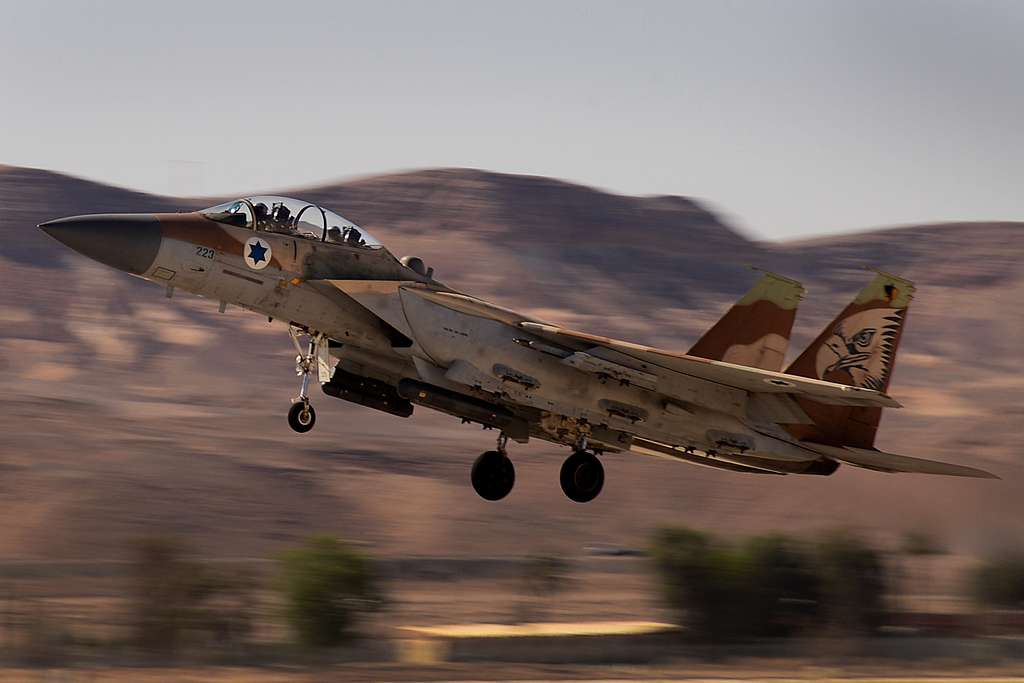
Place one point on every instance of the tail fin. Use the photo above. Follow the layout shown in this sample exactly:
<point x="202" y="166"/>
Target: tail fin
<point x="858" y="348"/>
<point x="755" y="331"/>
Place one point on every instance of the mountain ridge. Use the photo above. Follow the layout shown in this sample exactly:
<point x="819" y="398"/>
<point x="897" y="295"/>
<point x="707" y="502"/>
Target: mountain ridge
<point x="127" y="414"/>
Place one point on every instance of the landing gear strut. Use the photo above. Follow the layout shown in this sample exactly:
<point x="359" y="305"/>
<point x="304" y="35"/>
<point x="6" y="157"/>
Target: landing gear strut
<point x="301" y="416"/>
<point x="582" y="476"/>
<point x="493" y="474"/>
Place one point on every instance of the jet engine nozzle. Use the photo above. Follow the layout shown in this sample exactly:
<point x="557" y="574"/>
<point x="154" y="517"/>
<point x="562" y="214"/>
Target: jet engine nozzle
<point x="128" y="242"/>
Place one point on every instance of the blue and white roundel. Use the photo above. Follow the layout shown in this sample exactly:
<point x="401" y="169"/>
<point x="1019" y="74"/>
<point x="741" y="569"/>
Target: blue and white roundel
<point x="257" y="253"/>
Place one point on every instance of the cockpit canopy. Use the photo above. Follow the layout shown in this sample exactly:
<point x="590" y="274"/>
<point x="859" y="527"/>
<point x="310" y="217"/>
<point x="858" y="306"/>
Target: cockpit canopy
<point x="289" y="216"/>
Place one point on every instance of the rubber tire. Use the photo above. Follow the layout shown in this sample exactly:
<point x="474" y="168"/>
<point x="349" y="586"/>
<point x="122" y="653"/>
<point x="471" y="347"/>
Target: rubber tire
<point x="296" y="419"/>
<point x="493" y="475"/>
<point x="582" y="477"/>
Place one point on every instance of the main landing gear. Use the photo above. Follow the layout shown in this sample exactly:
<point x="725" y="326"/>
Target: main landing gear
<point x="582" y="476"/>
<point x="301" y="416"/>
<point x="493" y="474"/>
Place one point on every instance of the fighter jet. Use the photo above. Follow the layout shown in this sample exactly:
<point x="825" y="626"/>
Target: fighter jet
<point x="382" y="332"/>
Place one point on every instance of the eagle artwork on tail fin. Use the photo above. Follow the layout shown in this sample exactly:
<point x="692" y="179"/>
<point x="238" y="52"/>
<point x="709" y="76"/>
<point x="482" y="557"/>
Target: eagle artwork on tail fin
<point x="861" y="349"/>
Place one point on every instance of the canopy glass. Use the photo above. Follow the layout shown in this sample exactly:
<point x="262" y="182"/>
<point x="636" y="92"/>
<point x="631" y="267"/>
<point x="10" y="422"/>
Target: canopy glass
<point x="290" y="216"/>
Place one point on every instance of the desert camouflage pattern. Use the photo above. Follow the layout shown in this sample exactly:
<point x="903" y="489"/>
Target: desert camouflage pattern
<point x="384" y="333"/>
<point x="755" y="331"/>
<point x="858" y="348"/>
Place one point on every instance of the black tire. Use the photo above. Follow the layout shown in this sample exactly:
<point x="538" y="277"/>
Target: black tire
<point x="582" y="477"/>
<point x="493" y="475"/>
<point x="301" y="417"/>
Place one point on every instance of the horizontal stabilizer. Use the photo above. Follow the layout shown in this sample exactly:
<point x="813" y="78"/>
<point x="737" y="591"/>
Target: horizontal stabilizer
<point x="890" y="462"/>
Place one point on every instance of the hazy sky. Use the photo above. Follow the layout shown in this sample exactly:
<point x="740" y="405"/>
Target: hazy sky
<point x="792" y="118"/>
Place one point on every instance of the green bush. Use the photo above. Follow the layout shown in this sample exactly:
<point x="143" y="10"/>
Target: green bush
<point x="768" y="586"/>
<point x="326" y="584"/>
<point x="763" y="587"/>
<point x="784" y="591"/>
<point x="999" y="582"/>
<point x="853" y="583"/>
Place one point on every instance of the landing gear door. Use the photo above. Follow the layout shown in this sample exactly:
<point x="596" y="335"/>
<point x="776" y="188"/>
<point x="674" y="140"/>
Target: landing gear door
<point x="324" y="362"/>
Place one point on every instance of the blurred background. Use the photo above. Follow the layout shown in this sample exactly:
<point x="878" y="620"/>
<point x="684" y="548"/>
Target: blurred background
<point x="639" y="158"/>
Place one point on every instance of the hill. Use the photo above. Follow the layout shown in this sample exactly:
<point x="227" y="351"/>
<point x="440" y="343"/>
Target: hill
<point x="126" y="415"/>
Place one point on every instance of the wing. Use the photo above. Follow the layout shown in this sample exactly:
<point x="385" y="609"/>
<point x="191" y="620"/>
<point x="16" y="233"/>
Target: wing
<point x="646" y="359"/>
<point x="890" y="462"/>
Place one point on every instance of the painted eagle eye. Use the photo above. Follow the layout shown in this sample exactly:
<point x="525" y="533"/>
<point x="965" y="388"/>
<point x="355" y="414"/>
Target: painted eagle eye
<point x="864" y="337"/>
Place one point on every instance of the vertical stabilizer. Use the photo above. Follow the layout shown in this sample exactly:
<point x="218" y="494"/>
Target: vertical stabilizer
<point x="755" y="331"/>
<point x="858" y="348"/>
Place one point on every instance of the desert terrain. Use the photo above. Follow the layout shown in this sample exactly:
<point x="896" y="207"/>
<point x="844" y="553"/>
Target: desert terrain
<point x="126" y="415"/>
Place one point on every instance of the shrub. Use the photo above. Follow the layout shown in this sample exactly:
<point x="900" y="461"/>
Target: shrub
<point x="921" y="543"/>
<point x="763" y="587"/>
<point x="853" y="583"/>
<point x="768" y="586"/>
<point x="543" y="577"/>
<point x="783" y="590"/>
<point x="175" y="597"/>
<point x="999" y="582"/>
<point x="326" y="584"/>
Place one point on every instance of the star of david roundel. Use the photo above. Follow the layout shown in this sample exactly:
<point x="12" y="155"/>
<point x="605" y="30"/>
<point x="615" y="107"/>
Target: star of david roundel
<point x="257" y="253"/>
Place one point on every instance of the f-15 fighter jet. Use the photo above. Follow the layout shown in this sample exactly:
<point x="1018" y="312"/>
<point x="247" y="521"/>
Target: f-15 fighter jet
<point x="383" y="333"/>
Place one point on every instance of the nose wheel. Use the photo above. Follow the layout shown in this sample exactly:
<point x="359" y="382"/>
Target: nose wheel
<point x="301" y="416"/>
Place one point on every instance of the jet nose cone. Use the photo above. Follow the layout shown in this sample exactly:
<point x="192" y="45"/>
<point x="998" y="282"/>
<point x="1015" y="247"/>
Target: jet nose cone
<point x="124" y="241"/>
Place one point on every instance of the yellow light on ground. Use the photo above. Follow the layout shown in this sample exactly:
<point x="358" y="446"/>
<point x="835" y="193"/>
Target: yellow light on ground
<point x="530" y="630"/>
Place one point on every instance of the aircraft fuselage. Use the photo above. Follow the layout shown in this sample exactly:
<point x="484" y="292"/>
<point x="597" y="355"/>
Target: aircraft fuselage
<point x="456" y="342"/>
<point x="383" y="333"/>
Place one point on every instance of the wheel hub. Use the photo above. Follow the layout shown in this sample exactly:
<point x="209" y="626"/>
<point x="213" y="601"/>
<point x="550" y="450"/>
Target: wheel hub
<point x="586" y="477"/>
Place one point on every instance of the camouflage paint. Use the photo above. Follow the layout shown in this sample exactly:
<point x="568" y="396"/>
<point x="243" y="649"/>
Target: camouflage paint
<point x="858" y="348"/>
<point x="755" y="331"/>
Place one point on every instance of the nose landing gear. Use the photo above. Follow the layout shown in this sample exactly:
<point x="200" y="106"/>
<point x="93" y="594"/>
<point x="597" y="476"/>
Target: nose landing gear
<point x="301" y="416"/>
<point x="493" y="474"/>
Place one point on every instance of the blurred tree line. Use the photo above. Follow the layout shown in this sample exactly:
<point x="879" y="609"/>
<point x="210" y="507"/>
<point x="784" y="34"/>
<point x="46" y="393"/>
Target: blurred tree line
<point x="837" y="583"/>
<point x="998" y="583"/>
<point x="180" y="603"/>
<point x="771" y="586"/>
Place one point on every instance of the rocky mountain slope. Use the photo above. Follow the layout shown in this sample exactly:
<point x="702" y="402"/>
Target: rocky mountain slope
<point x="126" y="414"/>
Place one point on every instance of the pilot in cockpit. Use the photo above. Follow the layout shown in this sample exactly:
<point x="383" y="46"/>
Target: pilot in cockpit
<point x="353" y="237"/>
<point x="281" y="218"/>
<point x="262" y="214"/>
